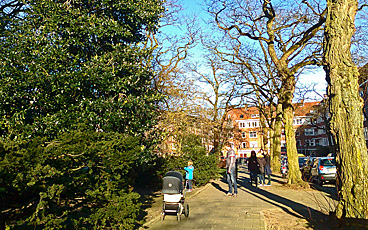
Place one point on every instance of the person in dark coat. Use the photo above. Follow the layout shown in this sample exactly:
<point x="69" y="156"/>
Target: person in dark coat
<point x="253" y="167"/>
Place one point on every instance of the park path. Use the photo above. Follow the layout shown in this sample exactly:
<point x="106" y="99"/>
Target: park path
<point x="211" y="209"/>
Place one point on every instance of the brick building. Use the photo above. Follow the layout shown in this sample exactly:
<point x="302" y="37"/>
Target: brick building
<point x="247" y="134"/>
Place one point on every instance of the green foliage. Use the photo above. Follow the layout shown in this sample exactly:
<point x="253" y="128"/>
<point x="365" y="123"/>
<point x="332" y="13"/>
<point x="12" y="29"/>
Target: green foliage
<point x="67" y="63"/>
<point x="205" y="167"/>
<point x="77" y="107"/>
<point x="81" y="179"/>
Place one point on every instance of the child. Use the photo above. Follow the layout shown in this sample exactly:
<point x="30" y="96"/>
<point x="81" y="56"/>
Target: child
<point x="189" y="174"/>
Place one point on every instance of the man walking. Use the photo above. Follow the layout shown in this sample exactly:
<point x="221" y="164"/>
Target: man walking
<point x="230" y="173"/>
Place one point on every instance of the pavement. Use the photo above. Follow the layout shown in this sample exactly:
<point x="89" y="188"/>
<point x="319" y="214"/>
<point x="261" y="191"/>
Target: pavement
<point x="210" y="208"/>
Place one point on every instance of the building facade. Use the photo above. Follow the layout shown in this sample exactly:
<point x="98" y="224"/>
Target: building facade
<point x="249" y="133"/>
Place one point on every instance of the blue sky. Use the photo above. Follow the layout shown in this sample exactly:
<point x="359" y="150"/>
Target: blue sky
<point x="315" y="77"/>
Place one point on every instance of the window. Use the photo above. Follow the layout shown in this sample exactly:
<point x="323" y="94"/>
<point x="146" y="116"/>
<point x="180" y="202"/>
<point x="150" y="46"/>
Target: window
<point x="253" y="144"/>
<point x="252" y="124"/>
<point x="244" y="145"/>
<point x="322" y="130"/>
<point x="298" y="121"/>
<point x="322" y="142"/>
<point x="310" y="142"/>
<point x="241" y="125"/>
<point x="244" y="135"/>
<point x="242" y="116"/>
<point x="309" y="132"/>
<point x="328" y="162"/>
<point x="253" y="134"/>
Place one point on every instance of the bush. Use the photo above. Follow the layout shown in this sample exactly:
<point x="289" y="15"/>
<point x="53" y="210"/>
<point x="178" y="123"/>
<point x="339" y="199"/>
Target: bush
<point x="81" y="180"/>
<point x="205" y="167"/>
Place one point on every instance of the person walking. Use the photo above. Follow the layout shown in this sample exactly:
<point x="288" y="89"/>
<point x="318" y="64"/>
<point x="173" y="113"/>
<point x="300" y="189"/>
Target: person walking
<point x="230" y="173"/>
<point x="261" y="162"/>
<point x="267" y="167"/>
<point x="253" y="167"/>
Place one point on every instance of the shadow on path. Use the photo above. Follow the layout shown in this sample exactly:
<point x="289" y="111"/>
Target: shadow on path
<point x="287" y="205"/>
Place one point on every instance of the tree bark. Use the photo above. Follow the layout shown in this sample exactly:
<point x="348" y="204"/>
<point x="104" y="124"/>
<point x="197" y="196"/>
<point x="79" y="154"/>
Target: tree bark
<point x="276" y="137"/>
<point x="294" y="174"/>
<point x="346" y="110"/>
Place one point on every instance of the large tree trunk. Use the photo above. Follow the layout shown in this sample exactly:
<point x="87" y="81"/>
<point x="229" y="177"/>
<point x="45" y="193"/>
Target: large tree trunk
<point x="276" y="137"/>
<point x="294" y="175"/>
<point x="346" y="110"/>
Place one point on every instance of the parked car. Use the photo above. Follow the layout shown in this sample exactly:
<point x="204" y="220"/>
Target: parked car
<point x="324" y="170"/>
<point x="306" y="170"/>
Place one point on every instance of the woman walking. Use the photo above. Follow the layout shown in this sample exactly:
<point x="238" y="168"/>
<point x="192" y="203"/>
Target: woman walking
<point x="253" y="167"/>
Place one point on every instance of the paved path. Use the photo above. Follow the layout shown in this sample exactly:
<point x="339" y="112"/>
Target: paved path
<point x="211" y="209"/>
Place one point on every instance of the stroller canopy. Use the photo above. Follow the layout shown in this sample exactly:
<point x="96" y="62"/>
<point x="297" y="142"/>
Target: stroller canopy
<point x="172" y="183"/>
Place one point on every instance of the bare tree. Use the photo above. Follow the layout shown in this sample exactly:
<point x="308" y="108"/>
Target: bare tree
<point x="170" y="50"/>
<point x="290" y="38"/>
<point x="345" y="106"/>
<point x="258" y="77"/>
<point x="220" y="89"/>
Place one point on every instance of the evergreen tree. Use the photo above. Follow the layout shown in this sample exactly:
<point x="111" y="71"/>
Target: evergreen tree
<point x="71" y="62"/>
<point x="76" y="106"/>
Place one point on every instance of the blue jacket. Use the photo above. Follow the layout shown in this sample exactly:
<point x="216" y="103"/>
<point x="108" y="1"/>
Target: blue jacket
<point x="189" y="172"/>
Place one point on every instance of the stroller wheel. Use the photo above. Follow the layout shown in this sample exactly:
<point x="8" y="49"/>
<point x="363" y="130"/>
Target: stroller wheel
<point x="162" y="216"/>
<point x="186" y="210"/>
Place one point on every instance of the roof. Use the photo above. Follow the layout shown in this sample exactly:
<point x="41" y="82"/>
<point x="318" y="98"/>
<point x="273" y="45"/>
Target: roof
<point x="301" y="109"/>
<point x="305" y="108"/>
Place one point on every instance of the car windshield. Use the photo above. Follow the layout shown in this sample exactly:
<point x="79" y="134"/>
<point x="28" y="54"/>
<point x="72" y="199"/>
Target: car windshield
<point x="328" y="162"/>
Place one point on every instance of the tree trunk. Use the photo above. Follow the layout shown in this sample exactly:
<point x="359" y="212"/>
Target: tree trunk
<point x="276" y="137"/>
<point x="346" y="110"/>
<point x="294" y="175"/>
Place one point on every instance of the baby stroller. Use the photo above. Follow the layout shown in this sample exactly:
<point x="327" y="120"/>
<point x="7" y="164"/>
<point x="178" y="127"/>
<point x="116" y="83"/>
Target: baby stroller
<point x="174" y="196"/>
